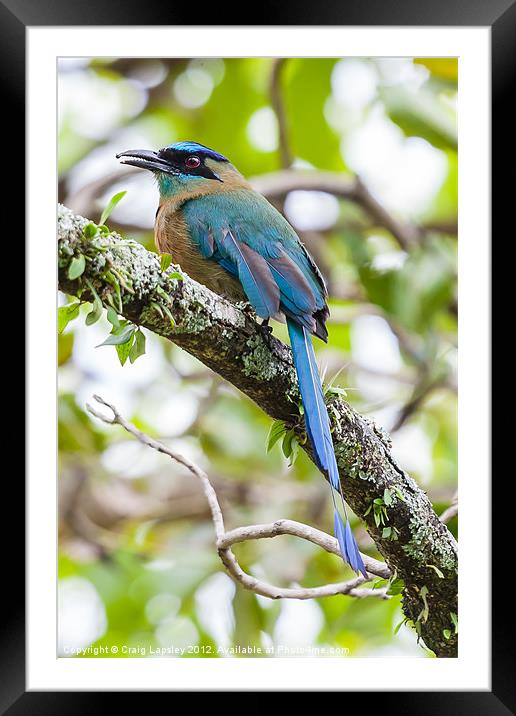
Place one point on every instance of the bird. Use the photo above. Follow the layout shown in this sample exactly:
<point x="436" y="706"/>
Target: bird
<point x="228" y="237"/>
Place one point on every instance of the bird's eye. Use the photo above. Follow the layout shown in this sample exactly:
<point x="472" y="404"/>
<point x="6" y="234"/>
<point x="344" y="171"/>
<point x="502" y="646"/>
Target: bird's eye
<point x="192" y="162"/>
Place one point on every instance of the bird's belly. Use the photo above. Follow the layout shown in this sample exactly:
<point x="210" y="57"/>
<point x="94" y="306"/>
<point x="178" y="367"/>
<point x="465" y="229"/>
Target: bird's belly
<point x="172" y="237"/>
<point x="207" y="272"/>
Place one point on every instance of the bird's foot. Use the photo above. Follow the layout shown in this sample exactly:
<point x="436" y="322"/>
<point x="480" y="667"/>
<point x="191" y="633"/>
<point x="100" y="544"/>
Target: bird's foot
<point x="266" y="331"/>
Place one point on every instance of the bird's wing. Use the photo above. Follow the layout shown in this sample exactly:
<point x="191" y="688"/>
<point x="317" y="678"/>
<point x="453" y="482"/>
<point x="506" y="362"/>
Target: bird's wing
<point x="249" y="238"/>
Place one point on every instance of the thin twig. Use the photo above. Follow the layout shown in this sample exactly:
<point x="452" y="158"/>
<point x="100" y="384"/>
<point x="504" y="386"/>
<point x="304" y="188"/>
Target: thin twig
<point x="451" y="511"/>
<point x="209" y="492"/>
<point x="224" y="539"/>
<point x="268" y="590"/>
<point x="298" y="529"/>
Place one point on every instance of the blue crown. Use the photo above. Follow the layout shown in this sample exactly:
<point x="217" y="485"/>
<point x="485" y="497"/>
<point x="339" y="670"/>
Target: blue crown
<point x="196" y="148"/>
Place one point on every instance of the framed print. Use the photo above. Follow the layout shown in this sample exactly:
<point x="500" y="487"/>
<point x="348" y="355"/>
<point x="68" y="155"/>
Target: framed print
<point x="250" y="442"/>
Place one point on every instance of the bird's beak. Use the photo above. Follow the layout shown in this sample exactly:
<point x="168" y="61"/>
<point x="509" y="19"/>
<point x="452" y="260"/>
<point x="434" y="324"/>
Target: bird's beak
<point x="146" y="159"/>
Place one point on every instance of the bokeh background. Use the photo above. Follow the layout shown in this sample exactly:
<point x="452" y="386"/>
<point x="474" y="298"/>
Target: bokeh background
<point x="137" y="564"/>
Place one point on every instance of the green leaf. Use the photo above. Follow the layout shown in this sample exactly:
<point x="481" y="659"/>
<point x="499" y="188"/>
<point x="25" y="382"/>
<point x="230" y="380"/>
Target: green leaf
<point x="423" y="616"/>
<point x="399" y="625"/>
<point x="124" y="350"/>
<point x="446" y="633"/>
<point x="157" y="308"/>
<point x="290" y="446"/>
<point x="378" y="582"/>
<point x="118" y="295"/>
<point x="175" y="274"/>
<point x="117" y="339"/>
<point x="386" y="532"/>
<point x="286" y="445"/>
<point x="396" y="587"/>
<point x="331" y="389"/>
<point x="95" y="313"/>
<point x="90" y="230"/>
<point x="111" y="205"/>
<point x="276" y="431"/>
<point x="387" y="497"/>
<point x="112" y="317"/>
<point x="437" y="570"/>
<point x="138" y="347"/>
<point x="166" y="260"/>
<point x="400" y="494"/>
<point x="455" y="621"/>
<point x="64" y="348"/>
<point x="170" y="316"/>
<point x="294" y="451"/>
<point x="77" y="266"/>
<point x="65" y="314"/>
<point x="161" y="291"/>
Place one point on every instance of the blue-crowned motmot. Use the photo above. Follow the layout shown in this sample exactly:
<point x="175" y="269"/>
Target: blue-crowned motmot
<point x="229" y="238"/>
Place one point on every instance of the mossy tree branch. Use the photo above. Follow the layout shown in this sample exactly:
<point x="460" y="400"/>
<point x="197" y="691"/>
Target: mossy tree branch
<point x="227" y="339"/>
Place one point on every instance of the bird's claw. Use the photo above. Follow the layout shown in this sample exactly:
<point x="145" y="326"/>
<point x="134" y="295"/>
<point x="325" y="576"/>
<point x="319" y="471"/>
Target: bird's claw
<point x="266" y="331"/>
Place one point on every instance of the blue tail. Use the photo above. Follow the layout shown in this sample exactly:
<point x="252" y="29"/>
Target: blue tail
<point x="318" y="430"/>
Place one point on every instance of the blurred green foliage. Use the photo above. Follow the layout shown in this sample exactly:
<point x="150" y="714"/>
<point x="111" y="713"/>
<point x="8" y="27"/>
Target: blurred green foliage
<point x="137" y="563"/>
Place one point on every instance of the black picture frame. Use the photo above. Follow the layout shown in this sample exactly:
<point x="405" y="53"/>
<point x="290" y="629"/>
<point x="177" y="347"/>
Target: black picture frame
<point x="15" y="17"/>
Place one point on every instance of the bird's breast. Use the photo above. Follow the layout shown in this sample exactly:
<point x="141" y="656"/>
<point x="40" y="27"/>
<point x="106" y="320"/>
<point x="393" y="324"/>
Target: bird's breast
<point x="172" y="236"/>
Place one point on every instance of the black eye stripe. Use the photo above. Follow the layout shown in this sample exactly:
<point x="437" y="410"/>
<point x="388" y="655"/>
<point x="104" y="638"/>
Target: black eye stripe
<point x="178" y="158"/>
